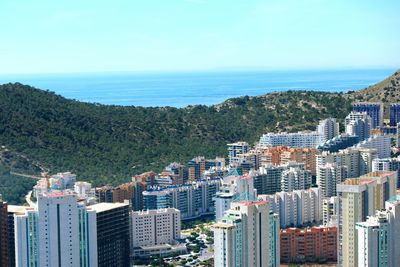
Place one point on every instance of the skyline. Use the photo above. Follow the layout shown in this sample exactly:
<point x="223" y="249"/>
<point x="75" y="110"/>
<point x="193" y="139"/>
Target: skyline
<point x="197" y="35"/>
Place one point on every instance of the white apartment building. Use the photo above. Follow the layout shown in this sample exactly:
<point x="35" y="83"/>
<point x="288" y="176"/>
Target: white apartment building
<point x="155" y="227"/>
<point x="233" y="188"/>
<point x="359" y="198"/>
<point x="330" y="208"/>
<point x="242" y="236"/>
<point x="62" y="180"/>
<point x="359" y="124"/>
<point x="381" y="143"/>
<point x="237" y="149"/>
<point x="57" y="232"/>
<point x="358" y="161"/>
<point x="378" y="237"/>
<point x="84" y="190"/>
<point x="295" y="140"/>
<point x="297" y="208"/>
<point x="329" y="128"/>
<point x="328" y="176"/>
<point x="295" y="179"/>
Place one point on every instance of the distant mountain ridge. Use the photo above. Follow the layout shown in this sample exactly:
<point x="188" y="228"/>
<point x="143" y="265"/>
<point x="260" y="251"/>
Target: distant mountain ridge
<point x="109" y="144"/>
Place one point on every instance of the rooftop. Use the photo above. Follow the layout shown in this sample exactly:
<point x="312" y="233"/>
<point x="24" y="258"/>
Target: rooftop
<point x="101" y="207"/>
<point x="17" y="209"/>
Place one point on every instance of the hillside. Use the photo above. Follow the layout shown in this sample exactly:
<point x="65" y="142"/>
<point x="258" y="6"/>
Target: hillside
<point x="108" y="144"/>
<point x="387" y="91"/>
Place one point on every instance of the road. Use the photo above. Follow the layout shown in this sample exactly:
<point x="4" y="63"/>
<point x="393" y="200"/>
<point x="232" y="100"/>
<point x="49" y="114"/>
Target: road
<point x="26" y="175"/>
<point x="28" y="199"/>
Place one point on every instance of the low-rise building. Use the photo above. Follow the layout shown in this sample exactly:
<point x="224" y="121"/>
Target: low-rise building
<point x="156" y="232"/>
<point x="307" y="244"/>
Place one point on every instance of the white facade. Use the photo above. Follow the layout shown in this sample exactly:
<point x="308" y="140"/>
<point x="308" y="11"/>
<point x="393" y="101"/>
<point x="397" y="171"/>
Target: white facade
<point x="373" y="241"/>
<point x="358" y="161"/>
<point x="297" y="208"/>
<point x="329" y="128"/>
<point x="387" y="164"/>
<point x="84" y="190"/>
<point x="41" y="187"/>
<point x="58" y="232"/>
<point x="237" y="149"/>
<point x="242" y="237"/>
<point x="155" y="227"/>
<point x="359" y="124"/>
<point x="295" y="179"/>
<point x="233" y="188"/>
<point x="62" y="180"/>
<point x="381" y="143"/>
<point x="330" y="208"/>
<point x="379" y="237"/>
<point x="295" y="140"/>
<point x="359" y="198"/>
<point x="328" y="176"/>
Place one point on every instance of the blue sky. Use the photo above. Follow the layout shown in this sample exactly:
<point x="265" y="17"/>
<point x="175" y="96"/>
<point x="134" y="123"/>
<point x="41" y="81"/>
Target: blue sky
<point x="45" y="36"/>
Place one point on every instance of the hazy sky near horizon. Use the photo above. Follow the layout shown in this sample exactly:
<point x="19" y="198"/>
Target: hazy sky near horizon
<point x="44" y="36"/>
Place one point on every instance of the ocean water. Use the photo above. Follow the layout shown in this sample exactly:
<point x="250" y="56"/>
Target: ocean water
<point x="189" y="88"/>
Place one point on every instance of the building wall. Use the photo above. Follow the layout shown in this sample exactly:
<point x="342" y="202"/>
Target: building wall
<point x="57" y="232"/>
<point x="298" y="244"/>
<point x="4" y="238"/>
<point x="113" y="237"/>
<point x="155" y="227"/>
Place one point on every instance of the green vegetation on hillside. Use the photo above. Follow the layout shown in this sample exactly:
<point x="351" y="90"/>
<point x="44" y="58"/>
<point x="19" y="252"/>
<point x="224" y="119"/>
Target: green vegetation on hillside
<point x="14" y="188"/>
<point x="108" y="144"/>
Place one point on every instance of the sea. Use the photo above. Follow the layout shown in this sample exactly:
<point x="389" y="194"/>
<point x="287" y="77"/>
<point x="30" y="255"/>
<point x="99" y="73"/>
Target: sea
<point x="180" y="89"/>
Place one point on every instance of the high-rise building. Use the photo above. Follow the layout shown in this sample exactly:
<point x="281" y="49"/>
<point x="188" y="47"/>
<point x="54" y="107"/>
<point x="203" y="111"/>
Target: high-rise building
<point x="388" y="164"/>
<point x="295" y="179"/>
<point x="282" y="155"/>
<point x="274" y="240"/>
<point x="297" y="208"/>
<point x="358" y="161"/>
<point x="268" y="179"/>
<point x="131" y="192"/>
<point x="105" y="194"/>
<point x="233" y="188"/>
<point x="328" y="176"/>
<point x="394" y="114"/>
<point x="57" y="232"/>
<point x="237" y="149"/>
<point x="113" y="234"/>
<point x="300" y="155"/>
<point x="298" y="244"/>
<point x="242" y="236"/>
<point x="62" y="180"/>
<point x="382" y="144"/>
<point x="339" y="142"/>
<point x="193" y="200"/>
<point x="294" y="140"/>
<point x="155" y="232"/>
<point x="398" y="135"/>
<point x="358" y="124"/>
<point x="176" y="169"/>
<point x="378" y="237"/>
<point x="11" y="231"/>
<point x="374" y="110"/>
<point x="329" y="128"/>
<point x="359" y="198"/>
<point x="329" y="211"/>
<point x="4" y="238"/>
<point x="196" y="168"/>
<point x="84" y="191"/>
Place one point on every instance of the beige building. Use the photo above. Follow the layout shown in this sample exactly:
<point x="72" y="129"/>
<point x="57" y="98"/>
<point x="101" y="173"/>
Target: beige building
<point x="359" y="198"/>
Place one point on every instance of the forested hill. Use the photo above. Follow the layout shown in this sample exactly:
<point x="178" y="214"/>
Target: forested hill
<point x="109" y="144"/>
